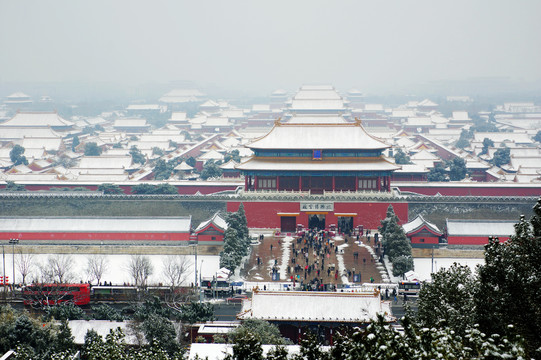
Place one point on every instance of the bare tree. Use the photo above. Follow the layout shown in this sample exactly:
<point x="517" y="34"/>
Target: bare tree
<point x="25" y="264"/>
<point x="58" y="268"/>
<point x="140" y="268"/>
<point x="96" y="266"/>
<point x="175" y="269"/>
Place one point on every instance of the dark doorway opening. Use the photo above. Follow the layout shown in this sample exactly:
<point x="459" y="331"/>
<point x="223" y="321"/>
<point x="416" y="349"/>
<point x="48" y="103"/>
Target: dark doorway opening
<point x="345" y="224"/>
<point x="316" y="221"/>
<point x="288" y="223"/>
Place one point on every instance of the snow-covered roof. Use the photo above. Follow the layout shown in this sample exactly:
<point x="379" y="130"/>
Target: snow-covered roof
<point x="230" y="165"/>
<point x="480" y="227"/>
<point x="405" y="142"/>
<point x="317" y="94"/>
<point x="42" y="143"/>
<point x="476" y="164"/>
<point x="217" y="121"/>
<point x="260" y="107"/>
<point x="142" y="107"/>
<point x="211" y="155"/>
<point x="178" y="116"/>
<point x="373" y="107"/>
<point x="418" y="223"/>
<point x="403" y="113"/>
<point x="323" y="306"/>
<point x="105" y="162"/>
<point x="209" y="103"/>
<point x="427" y="103"/>
<point x="424" y="155"/>
<point x="353" y="164"/>
<point x="20" y="169"/>
<point x="182" y="96"/>
<point x="317" y="105"/>
<point x="164" y="136"/>
<point x="460" y="116"/>
<point x="79" y="328"/>
<point x="11" y="133"/>
<point x="18" y="95"/>
<point x="30" y="177"/>
<point x="233" y="113"/>
<point x="316" y="119"/>
<point x="130" y="123"/>
<point x="216" y="219"/>
<point x="498" y="137"/>
<point x="321" y="136"/>
<point x="418" y="121"/>
<point x="183" y="167"/>
<point x="412" y="168"/>
<point x="42" y="119"/>
<point x="96" y="224"/>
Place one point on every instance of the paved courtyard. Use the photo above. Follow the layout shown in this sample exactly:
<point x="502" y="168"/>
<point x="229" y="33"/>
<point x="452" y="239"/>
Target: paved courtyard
<point x="337" y="266"/>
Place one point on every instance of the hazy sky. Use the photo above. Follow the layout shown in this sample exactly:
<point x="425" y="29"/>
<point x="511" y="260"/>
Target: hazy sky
<point x="263" y="45"/>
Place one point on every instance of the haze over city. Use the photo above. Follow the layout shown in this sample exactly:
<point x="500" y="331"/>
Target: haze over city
<point x="256" y="47"/>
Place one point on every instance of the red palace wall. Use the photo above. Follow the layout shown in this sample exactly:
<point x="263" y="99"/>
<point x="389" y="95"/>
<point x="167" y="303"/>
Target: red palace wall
<point x="265" y="214"/>
<point x="471" y="190"/>
<point x="428" y="240"/>
<point x="472" y="240"/>
<point x="217" y="238"/>
<point x="81" y="236"/>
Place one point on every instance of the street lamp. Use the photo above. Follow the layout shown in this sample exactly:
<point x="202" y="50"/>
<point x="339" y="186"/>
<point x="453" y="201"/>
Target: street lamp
<point x="4" y="269"/>
<point x="193" y="241"/>
<point x="13" y="242"/>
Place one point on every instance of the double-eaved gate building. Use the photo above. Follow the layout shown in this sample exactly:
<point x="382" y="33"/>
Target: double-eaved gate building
<point x="318" y="170"/>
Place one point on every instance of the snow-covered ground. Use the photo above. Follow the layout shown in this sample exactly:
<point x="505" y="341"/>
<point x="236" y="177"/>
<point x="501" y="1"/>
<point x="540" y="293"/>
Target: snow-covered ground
<point x="423" y="266"/>
<point x="207" y="266"/>
<point x="117" y="269"/>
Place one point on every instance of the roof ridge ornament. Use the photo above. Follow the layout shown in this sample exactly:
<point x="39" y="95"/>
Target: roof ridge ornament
<point x="358" y="121"/>
<point x="278" y="122"/>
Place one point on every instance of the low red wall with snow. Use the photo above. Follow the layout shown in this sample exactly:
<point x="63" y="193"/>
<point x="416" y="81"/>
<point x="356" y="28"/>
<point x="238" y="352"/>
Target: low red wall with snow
<point x="81" y="236"/>
<point x="472" y="240"/>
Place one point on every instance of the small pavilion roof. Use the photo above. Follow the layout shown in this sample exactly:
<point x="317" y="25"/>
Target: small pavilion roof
<point x="183" y="167"/>
<point x="230" y="165"/>
<point x="318" y="136"/>
<point x="217" y="220"/>
<point x="418" y="223"/>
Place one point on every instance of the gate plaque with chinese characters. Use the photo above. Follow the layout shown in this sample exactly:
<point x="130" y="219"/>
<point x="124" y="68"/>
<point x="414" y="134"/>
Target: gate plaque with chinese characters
<point x="317" y="206"/>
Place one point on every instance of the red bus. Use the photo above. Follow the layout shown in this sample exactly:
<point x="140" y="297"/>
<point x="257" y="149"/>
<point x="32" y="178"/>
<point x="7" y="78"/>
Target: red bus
<point x="54" y="294"/>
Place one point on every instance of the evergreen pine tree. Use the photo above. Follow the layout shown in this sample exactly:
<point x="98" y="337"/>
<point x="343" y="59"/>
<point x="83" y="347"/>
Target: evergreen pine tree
<point x="508" y="300"/>
<point x="448" y="299"/>
<point x="247" y="347"/>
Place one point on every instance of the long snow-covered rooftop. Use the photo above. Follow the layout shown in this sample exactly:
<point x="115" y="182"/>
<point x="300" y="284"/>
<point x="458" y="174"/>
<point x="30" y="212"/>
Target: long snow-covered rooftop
<point x="314" y="306"/>
<point x="42" y="119"/>
<point x="303" y="164"/>
<point x="318" y="136"/>
<point x="96" y="224"/>
<point x="480" y="227"/>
